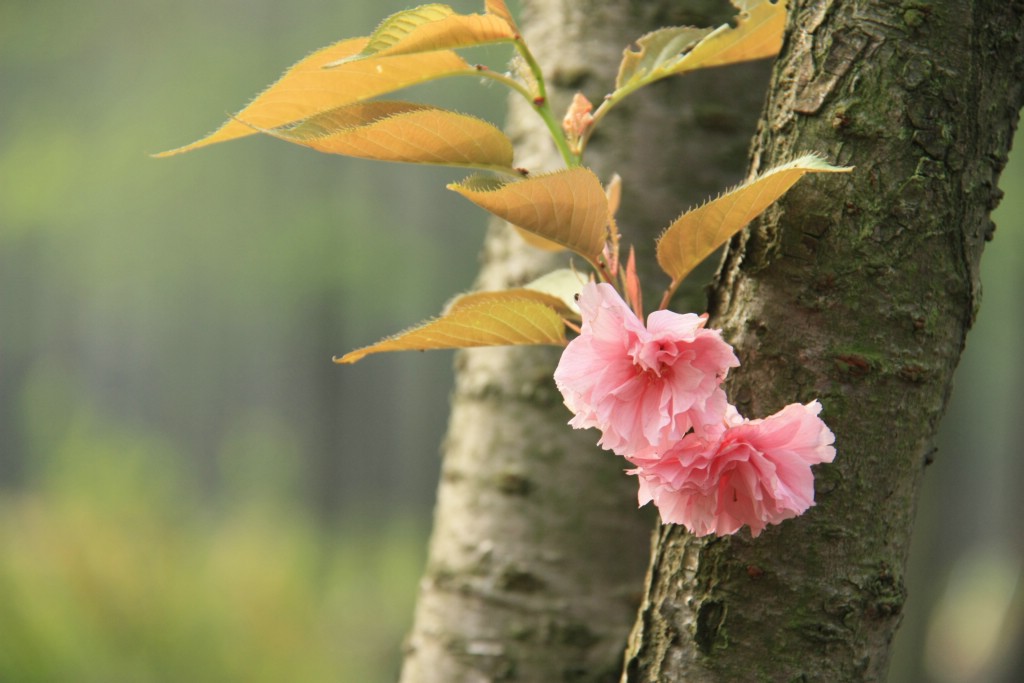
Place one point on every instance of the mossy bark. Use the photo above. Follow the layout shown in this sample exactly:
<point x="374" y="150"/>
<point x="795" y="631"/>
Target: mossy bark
<point x="537" y="558"/>
<point x="858" y="290"/>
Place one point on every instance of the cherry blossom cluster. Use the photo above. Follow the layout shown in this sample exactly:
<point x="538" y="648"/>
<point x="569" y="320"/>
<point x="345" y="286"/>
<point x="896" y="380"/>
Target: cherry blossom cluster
<point x="655" y="394"/>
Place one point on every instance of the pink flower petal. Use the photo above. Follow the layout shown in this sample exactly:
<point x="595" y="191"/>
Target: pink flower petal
<point x="757" y="472"/>
<point x="641" y="386"/>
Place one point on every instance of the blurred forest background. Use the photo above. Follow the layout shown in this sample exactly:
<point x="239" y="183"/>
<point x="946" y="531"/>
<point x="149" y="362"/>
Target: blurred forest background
<point x="189" y="489"/>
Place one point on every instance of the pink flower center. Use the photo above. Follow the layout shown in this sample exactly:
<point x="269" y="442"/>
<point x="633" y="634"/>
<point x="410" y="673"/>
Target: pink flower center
<point x="654" y="359"/>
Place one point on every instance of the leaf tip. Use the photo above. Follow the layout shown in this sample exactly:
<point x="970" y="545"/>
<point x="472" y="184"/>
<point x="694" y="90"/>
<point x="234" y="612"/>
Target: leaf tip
<point x="816" y="162"/>
<point x="174" y="152"/>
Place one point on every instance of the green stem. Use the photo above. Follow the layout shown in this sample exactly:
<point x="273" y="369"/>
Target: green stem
<point x="539" y="104"/>
<point x="543" y="107"/>
<point x="511" y="83"/>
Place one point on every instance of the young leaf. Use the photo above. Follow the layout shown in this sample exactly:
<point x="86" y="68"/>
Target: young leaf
<point x="568" y="207"/>
<point x="671" y="51"/>
<point x="657" y="52"/>
<point x="511" y="317"/>
<point x="405" y="132"/>
<point x="307" y="88"/>
<point x="433" y="27"/>
<point x="631" y="285"/>
<point x="563" y="284"/>
<point x="696" y="234"/>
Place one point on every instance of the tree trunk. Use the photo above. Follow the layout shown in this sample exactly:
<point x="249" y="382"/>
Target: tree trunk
<point x="536" y="562"/>
<point x="858" y="290"/>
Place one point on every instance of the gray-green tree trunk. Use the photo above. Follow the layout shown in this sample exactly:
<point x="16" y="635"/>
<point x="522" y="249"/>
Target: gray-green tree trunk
<point x="858" y="290"/>
<point x="537" y="558"/>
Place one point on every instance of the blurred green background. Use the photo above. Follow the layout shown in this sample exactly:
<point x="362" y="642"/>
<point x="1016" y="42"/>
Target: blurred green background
<point x="189" y="489"/>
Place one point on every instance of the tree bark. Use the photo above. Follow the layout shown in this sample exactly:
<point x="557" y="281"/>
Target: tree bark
<point x="858" y="290"/>
<point x="536" y="562"/>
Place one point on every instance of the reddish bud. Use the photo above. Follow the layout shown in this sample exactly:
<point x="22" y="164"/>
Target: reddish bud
<point x="578" y="118"/>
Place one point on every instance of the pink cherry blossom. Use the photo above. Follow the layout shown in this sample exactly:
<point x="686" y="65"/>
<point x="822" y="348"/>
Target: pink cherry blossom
<point x="642" y="386"/>
<point x="757" y="472"/>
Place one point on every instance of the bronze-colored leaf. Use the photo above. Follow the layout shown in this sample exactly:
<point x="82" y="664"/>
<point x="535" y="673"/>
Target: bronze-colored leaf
<point x="514" y="317"/>
<point x="536" y="292"/>
<point x="308" y="89"/>
<point x="404" y="132"/>
<point x="499" y="9"/>
<point x="698" y="233"/>
<point x="568" y="207"/>
<point x="757" y="34"/>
